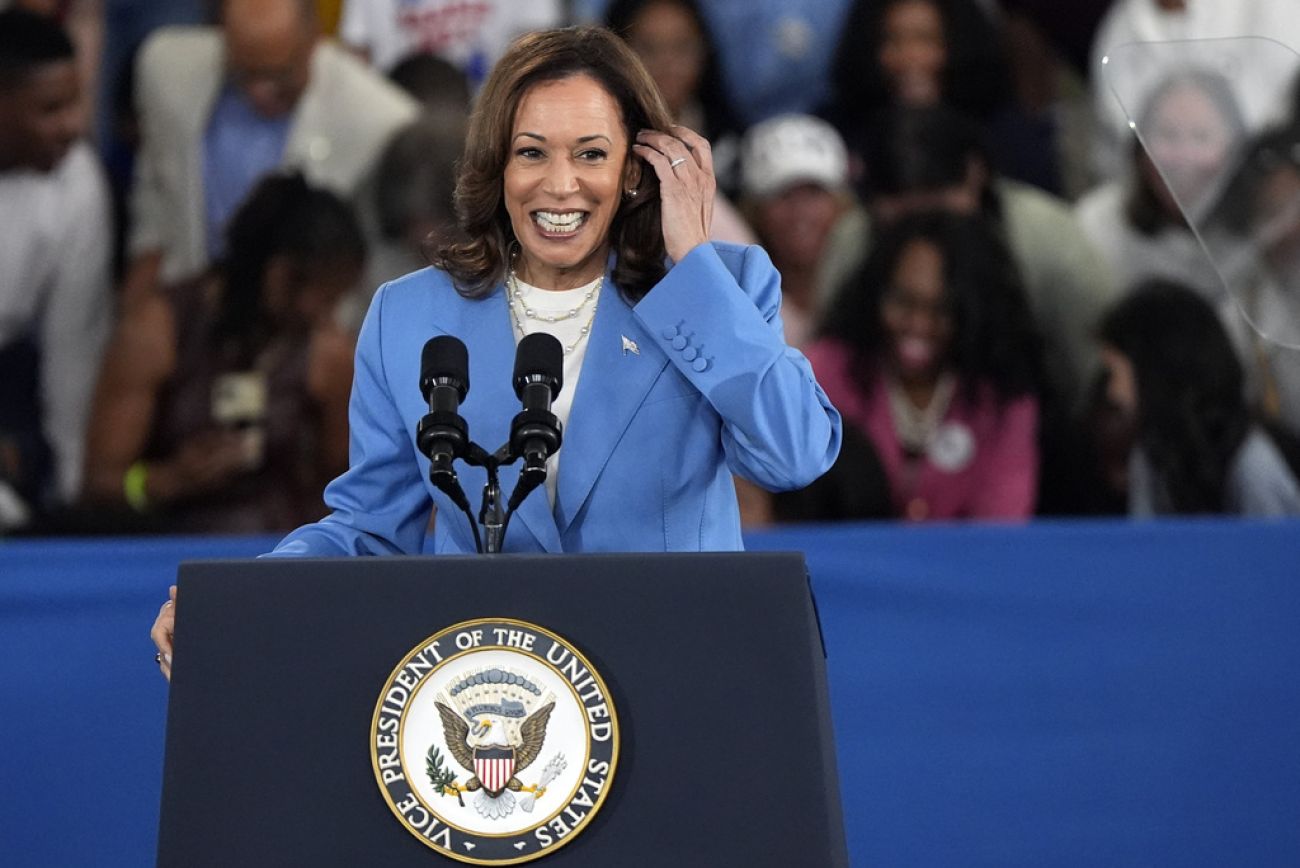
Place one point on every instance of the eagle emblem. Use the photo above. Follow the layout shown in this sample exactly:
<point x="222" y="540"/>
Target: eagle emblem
<point x="475" y="724"/>
<point x="493" y="727"/>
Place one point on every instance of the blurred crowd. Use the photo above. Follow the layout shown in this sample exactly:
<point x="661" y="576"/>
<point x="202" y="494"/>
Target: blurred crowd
<point x="1044" y="260"/>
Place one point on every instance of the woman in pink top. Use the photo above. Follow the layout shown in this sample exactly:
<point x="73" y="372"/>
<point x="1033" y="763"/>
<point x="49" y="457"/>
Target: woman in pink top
<point x="932" y="355"/>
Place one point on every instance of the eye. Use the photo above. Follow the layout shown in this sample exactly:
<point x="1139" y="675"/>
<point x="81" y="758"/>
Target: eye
<point x="528" y="152"/>
<point x="592" y="155"/>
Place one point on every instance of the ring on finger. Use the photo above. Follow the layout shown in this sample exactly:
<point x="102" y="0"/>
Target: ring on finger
<point x="677" y="162"/>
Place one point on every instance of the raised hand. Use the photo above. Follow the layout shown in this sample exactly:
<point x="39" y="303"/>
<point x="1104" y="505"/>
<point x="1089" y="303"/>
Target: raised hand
<point x="684" y="163"/>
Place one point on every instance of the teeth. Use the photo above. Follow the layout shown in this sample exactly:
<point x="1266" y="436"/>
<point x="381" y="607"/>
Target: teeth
<point x="549" y="221"/>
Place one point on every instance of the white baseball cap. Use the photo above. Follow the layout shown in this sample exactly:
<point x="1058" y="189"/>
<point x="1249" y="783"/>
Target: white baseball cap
<point x="792" y="149"/>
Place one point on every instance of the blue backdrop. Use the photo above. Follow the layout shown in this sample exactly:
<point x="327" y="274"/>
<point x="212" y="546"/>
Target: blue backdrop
<point x="1062" y="694"/>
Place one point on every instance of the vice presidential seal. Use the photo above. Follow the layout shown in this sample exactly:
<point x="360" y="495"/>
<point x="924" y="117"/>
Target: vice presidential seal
<point x="494" y="742"/>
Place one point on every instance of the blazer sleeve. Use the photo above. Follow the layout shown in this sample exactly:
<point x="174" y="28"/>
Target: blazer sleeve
<point x="716" y="314"/>
<point x="379" y="505"/>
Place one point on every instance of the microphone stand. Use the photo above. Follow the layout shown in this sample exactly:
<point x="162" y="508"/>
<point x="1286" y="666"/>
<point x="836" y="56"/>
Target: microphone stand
<point x="491" y="515"/>
<point x="493" y="518"/>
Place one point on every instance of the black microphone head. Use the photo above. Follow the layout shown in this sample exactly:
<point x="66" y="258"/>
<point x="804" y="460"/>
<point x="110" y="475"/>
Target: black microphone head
<point x="540" y="358"/>
<point x="444" y="358"/>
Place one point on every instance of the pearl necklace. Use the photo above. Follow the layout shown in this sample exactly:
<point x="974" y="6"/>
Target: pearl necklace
<point x="515" y="302"/>
<point x="512" y="283"/>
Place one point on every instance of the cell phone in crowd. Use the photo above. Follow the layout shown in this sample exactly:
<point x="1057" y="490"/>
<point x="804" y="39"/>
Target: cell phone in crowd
<point x="239" y="405"/>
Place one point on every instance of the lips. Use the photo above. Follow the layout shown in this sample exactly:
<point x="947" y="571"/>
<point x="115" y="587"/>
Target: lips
<point x="559" y="224"/>
<point x="915" y="353"/>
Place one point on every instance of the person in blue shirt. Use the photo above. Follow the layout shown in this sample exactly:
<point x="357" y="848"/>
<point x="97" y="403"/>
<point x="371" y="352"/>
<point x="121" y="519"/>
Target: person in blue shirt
<point x="775" y="55"/>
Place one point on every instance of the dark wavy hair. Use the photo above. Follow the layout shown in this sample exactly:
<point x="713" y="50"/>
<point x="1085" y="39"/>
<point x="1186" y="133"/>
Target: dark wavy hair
<point x="1192" y="414"/>
<point x="477" y="258"/>
<point x="975" y="78"/>
<point x="994" y="339"/>
<point x="719" y="119"/>
<point x="282" y="216"/>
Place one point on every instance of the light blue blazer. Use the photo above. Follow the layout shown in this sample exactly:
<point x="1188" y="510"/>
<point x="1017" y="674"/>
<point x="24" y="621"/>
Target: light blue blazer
<point x="693" y="383"/>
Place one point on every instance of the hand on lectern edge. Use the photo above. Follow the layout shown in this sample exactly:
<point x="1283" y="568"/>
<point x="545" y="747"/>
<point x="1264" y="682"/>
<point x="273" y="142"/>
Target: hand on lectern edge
<point x="164" y="629"/>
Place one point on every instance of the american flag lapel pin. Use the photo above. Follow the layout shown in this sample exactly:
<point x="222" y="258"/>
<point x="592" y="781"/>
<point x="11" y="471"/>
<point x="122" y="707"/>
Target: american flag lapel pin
<point x="629" y="346"/>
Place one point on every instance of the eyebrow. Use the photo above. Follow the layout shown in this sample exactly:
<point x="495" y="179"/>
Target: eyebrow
<point x="582" y="140"/>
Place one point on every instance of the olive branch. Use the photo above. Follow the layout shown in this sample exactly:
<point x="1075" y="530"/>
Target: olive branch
<point x="439" y="775"/>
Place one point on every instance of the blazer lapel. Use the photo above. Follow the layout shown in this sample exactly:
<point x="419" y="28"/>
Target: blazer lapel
<point x="613" y="385"/>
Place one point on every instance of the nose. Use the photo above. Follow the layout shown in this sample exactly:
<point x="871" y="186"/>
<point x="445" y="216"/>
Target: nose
<point x="911" y="57"/>
<point x="561" y="178"/>
<point x="918" y="322"/>
<point x="920" y="319"/>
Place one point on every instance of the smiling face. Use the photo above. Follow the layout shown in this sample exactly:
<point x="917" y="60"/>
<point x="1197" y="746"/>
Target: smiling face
<point x="1189" y="139"/>
<point x="40" y="118"/>
<point x="567" y="168"/>
<point x="913" y="52"/>
<point x="916" y="314"/>
<point x="670" y="44"/>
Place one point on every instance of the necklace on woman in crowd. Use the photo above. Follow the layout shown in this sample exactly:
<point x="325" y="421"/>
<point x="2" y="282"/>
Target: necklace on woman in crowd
<point x="916" y="426"/>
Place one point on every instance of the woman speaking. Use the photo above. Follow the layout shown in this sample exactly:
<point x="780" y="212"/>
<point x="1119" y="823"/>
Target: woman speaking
<point x="582" y="213"/>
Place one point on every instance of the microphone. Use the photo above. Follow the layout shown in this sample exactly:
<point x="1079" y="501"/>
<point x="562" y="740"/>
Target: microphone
<point x="442" y="434"/>
<point x="535" y="434"/>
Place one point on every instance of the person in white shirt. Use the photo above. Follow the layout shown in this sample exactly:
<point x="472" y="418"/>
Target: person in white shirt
<point x="1194" y="129"/>
<point x="55" y="261"/>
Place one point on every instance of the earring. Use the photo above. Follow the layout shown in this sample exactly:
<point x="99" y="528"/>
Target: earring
<point x="629" y="194"/>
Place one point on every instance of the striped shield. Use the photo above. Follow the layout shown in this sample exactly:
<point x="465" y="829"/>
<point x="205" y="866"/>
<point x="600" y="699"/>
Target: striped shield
<point x="495" y="766"/>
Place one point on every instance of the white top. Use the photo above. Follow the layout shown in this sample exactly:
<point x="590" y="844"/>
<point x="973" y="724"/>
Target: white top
<point x="473" y="36"/>
<point x="55" y="285"/>
<point x="1259" y="483"/>
<point x="571" y="332"/>
<point x="1172" y="253"/>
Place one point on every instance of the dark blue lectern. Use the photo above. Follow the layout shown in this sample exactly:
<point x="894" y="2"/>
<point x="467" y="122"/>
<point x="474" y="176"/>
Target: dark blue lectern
<point x="714" y="662"/>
